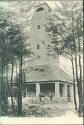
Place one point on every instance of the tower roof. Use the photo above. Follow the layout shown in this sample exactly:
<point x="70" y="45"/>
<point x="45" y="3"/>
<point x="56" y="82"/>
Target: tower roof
<point x="39" y="5"/>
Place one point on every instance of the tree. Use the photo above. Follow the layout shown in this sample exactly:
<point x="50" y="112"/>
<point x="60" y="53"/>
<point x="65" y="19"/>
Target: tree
<point x="14" y="50"/>
<point x="11" y="46"/>
<point x="65" y="31"/>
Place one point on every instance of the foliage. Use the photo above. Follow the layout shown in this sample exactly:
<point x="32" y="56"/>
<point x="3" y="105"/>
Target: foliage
<point x="12" y="50"/>
<point x="66" y="33"/>
<point x="62" y="28"/>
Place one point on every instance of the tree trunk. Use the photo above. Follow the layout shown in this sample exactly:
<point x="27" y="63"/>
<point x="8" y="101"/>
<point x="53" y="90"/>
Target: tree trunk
<point x="2" y="87"/>
<point x="75" y="52"/>
<point x="74" y="86"/>
<point x="19" y="101"/>
<point x="0" y="97"/>
<point x="80" y="88"/>
<point x="20" y="93"/>
<point x="5" y="92"/>
<point x="78" y="84"/>
<point x="20" y="87"/>
<point x="7" y="80"/>
<point x="80" y="78"/>
<point x="76" y="68"/>
<point x="11" y="92"/>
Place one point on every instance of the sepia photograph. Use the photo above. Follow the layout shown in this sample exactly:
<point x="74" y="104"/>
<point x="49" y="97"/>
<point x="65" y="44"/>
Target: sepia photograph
<point x="41" y="62"/>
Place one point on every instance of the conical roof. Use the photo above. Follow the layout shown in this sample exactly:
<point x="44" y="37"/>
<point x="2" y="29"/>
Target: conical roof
<point x="46" y="73"/>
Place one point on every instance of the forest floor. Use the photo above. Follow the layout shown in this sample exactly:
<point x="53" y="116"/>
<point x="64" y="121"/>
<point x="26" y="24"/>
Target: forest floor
<point x="44" y="112"/>
<point x="33" y="107"/>
<point x="45" y="108"/>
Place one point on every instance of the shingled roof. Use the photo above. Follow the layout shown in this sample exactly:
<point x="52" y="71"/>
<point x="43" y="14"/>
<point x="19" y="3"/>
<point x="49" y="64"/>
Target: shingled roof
<point x="46" y="74"/>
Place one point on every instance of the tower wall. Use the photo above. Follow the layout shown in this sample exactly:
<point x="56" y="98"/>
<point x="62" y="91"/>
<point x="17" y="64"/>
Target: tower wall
<point x="39" y="37"/>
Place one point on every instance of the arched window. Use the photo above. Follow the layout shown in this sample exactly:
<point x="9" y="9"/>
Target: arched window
<point x="40" y="9"/>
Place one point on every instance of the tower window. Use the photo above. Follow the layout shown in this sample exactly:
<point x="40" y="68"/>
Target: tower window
<point x="38" y="26"/>
<point x="36" y="69"/>
<point x="42" y="70"/>
<point x="49" y="10"/>
<point x="40" y="9"/>
<point x="37" y="46"/>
